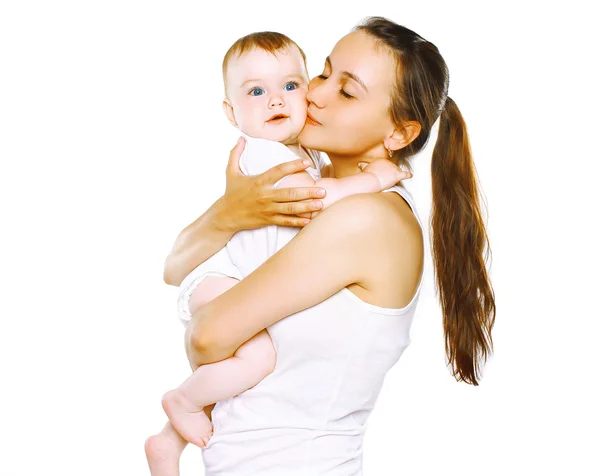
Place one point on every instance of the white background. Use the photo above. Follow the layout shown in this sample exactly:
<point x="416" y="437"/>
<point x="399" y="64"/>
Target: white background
<point x="112" y="140"/>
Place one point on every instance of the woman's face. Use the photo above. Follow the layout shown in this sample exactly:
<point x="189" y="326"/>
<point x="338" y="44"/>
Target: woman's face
<point x="350" y="100"/>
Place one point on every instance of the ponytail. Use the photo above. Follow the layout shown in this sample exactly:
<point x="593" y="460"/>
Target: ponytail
<point x="459" y="243"/>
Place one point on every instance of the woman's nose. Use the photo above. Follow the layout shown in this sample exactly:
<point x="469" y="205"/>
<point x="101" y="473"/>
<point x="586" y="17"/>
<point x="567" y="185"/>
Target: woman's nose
<point x="314" y="94"/>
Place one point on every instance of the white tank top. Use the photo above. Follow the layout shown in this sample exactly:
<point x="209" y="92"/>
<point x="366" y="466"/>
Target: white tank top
<point x="309" y="416"/>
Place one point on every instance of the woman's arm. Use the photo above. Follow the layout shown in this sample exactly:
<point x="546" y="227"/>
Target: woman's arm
<point x="249" y="202"/>
<point x="324" y="257"/>
<point x="195" y="244"/>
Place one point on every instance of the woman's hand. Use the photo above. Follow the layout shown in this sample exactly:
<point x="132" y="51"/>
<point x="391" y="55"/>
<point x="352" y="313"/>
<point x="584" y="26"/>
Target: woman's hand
<point x="251" y="201"/>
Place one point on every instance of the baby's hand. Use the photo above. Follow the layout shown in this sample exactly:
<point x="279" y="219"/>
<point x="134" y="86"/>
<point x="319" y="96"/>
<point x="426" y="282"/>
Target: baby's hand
<point x="386" y="172"/>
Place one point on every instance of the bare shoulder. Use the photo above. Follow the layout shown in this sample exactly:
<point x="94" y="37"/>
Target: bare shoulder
<point x="390" y="241"/>
<point x="362" y="214"/>
<point x="405" y="217"/>
<point x="383" y="211"/>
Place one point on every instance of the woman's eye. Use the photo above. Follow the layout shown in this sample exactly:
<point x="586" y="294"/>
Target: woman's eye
<point x="256" y="91"/>
<point x="291" y="86"/>
<point x="345" y="94"/>
<point x="322" y="76"/>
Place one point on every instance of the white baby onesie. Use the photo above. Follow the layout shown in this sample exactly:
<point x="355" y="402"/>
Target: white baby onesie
<point x="248" y="249"/>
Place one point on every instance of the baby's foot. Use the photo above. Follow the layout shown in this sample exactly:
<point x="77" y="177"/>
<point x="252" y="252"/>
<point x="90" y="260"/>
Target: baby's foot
<point x="190" y="421"/>
<point x="163" y="451"/>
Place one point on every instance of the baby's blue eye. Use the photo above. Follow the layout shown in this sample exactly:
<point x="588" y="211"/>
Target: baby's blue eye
<point x="256" y="92"/>
<point x="293" y="86"/>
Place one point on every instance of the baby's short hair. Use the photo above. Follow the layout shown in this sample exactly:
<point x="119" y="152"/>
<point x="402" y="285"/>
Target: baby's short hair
<point x="269" y="41"/>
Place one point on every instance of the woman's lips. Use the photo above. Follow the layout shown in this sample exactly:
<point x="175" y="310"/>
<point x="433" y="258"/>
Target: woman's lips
<point x="311" y="121"/>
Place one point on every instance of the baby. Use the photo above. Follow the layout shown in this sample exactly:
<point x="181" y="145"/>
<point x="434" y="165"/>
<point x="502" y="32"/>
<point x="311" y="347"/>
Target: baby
<point x="266" y="82"/>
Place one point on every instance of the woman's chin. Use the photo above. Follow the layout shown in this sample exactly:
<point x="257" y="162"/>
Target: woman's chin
<point x="308" y="139"/>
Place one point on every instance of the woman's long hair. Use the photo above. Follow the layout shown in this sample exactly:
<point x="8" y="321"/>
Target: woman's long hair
<point x="460" y="244"/>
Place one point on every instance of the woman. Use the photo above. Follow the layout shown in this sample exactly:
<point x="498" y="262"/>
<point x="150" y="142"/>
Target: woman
<point x="381" y="91"/>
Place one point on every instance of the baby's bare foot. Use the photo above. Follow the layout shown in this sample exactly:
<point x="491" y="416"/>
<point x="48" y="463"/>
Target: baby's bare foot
<point x="163" y="451"/>
<point x="190" y="421"/>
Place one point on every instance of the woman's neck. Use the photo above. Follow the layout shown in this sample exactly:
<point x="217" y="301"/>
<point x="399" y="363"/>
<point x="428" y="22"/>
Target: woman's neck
<point x="347" y="166"/>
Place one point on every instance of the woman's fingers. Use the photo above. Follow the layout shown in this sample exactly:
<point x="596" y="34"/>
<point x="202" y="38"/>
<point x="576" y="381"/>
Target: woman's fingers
<point x="233" y="165"/>
<point x="289" y="220"/>
<point x="279" y="171"/>
<point x="296" y="194"/>
<point x="297" y="208"/>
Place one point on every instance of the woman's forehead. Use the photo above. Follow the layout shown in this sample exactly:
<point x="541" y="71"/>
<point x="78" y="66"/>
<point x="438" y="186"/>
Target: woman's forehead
<point x="359" y="53"/>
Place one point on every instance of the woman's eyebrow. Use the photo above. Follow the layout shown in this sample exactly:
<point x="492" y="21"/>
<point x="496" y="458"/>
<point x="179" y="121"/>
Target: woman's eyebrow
<point x="349" y="74"/>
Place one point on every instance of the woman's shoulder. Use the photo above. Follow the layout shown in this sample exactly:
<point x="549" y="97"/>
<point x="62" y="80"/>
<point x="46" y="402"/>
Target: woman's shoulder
<point x="390" y="260"/>
<point x="384" y="219"/>
<point x="367" y="208"/>
<point x="401" y="209"/>
<point x="402" y="226"/>
<point x="384" y="210"/>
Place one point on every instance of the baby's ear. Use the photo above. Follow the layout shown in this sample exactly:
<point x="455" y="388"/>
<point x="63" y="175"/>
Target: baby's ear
<point x="228" y="109"/>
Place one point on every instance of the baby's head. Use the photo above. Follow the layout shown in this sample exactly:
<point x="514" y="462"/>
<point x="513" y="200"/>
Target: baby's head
<point x="266" y="82"/>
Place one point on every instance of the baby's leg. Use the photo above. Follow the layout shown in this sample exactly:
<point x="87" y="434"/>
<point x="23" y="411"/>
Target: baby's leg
<point x="208" y="289"/>
<point x="163" y="451"/>
<point x="252" y="362"/>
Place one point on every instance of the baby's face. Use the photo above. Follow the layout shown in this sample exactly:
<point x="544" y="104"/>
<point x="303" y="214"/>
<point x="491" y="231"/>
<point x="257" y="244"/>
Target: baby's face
<point x="268" y="94"/>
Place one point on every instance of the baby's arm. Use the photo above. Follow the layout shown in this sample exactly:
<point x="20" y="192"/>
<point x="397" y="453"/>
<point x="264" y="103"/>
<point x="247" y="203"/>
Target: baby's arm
<point x="377" y="176"/>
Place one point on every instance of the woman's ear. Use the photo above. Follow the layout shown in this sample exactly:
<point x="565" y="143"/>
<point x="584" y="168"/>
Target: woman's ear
<point x="400" y="139"/>
<point x="228" y="109"/>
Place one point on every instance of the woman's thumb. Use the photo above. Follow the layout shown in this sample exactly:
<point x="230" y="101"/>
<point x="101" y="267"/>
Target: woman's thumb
<point x="235" y="154"/>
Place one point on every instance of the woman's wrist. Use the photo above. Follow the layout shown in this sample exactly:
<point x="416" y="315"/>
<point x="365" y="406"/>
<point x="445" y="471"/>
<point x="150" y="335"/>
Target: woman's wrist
<point x="210" y="227"/>
<point x="222" y="220"/>
<point x="198" y="242"/>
